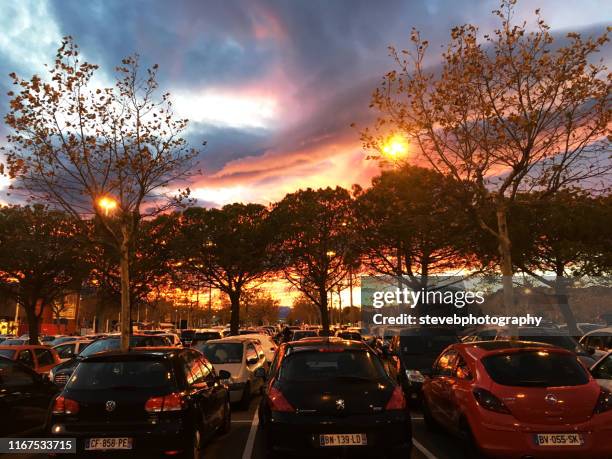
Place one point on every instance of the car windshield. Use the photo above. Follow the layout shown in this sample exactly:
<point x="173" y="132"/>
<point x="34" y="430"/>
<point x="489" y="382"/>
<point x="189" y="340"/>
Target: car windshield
<point x="319" y="366"/>
<point x="426" y="344"/>
<point x="205" y="336"/>
<point x="121" y="374"/>
<point x="222" y="353"/>
<point x="111" y="344"/>
<point x="535" y="368"/>
<point x="8" y="353"/>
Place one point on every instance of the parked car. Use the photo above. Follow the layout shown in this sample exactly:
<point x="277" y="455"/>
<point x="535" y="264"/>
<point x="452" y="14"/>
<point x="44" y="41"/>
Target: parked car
<point x="509" y="399"/>
<point x="146" y="401"/>
<point x="602" y="371"/>
<point x="173" y="338"/>
<point x="348" y="334"/>
<point x="63" y="339"/>
<point x="18" y="341"/>
<point x="201" y="336"/>
<point x="332" y="396"/>
<point x="61" y="373"/>
<point x="413" y="354"/>
<point x="240" y="357"/>
<point x="268" y="345"/>
<point x="41" y="359"/>
<point x="297" y="335"/>
<point x="598" y="342"/>
<point x="69" y="350"/>
<point x="25" y="397"/>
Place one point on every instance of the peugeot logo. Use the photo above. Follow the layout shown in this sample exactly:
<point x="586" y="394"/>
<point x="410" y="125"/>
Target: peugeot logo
<point x="340" y="404"/>
<point x="550" y="398"/>
<point x="110" y="405"/>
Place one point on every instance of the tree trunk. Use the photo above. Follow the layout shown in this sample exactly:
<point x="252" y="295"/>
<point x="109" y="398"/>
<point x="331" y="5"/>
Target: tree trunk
<point x="504" y="248"/>
<point x="324" y="310"/>
<point x="33" y="322"/>
<point x="563" y="303"/>
<point x="235" y="313"/>
<point x="124" y="267"/>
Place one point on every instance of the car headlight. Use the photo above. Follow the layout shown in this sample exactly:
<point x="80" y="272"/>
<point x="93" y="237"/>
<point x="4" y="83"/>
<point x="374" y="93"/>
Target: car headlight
<point x="415" y="376"/>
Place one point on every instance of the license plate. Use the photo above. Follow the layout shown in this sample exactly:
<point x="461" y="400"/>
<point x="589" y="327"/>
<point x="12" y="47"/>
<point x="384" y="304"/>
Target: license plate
<point x="108" y="443"/>
<point x="343" y="440"/>
<point x="572" y="439"/>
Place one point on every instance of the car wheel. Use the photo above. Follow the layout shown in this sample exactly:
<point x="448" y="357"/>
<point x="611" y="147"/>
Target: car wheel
<point x="227" y="419"/>
<point x="470" y="447"/>
<point x="431" y="424"/>
<point x="196" y="445"/>
<point x="246" y="397"/>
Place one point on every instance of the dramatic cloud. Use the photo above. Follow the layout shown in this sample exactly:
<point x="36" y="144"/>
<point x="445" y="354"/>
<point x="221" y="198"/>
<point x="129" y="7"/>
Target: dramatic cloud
<point x="272" y="86"/>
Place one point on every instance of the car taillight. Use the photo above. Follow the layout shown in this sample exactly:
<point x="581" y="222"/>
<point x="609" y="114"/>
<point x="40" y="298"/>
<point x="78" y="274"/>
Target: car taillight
<point x="63" y="405"/>
<point x="170" y="402"/>
<point x="489" y="401"/>
<point x="397" y="400"/>
<point x="604" y="402"/>
<point x="278" y="402"/>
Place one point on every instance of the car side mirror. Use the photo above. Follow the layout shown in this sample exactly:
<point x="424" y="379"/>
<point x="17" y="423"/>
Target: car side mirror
<point x="224" y="374"/>
<point x="252" y="361"/>
<point x="260" y="373"/>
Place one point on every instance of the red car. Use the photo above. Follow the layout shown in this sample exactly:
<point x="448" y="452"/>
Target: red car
<point x="516" y="399"/>
<point x="40" y="358"/>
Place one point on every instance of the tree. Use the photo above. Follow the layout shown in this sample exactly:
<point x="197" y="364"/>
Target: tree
<point x="305" y="311"/>
<point x="41" y="257"/>
<point x="228" y="248"/>
<point x="562" y="236"/>
<point x="507" y="113"/>
<point x="260" y="308"/>
<point x="105" y="151"/>
<point x="315" y="240"/>
<point x="409" y="226"/>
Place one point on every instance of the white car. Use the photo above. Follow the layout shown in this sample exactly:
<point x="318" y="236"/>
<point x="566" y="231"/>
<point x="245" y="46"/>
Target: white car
<point x="174" y="339"/>
<point x="602" y="371"/>
<point x="598" y="341"/>
<point x="268" y="345"/>
<point x="244" y="359"/>
<point x="68" y="350"/>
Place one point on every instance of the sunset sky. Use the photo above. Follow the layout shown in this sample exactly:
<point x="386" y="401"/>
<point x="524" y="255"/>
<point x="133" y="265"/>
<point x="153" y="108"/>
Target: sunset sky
<point x="272" y="86"/>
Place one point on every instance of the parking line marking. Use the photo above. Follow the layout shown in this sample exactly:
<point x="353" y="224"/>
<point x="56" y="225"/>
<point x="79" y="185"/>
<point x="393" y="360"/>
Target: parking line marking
<point x="248" y="448"/>
<point x="428" y="454"/>
<point x="241" y="421"/>
<point x="417" y="418"/>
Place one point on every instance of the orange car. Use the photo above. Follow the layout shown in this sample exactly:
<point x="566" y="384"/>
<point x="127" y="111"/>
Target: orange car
<point x="40" y="358"/>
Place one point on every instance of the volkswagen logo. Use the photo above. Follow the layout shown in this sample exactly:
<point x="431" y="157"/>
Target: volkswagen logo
<point x="340" y="404"/>
<point x="550" y="398"/>
<point x="110" y="405"/>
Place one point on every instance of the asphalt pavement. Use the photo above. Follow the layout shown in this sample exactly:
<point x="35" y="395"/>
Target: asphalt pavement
<point x="245" y="440"/>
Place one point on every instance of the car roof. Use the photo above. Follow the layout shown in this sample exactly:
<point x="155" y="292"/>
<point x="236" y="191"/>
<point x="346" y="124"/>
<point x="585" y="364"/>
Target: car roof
<point x="24" y="346"/>
<point x="135" y="354"/>
<point x="234" y="339"/>
<point x="599" y="330"/>
<point x="479" y="349"/>
<point x="324" y="342"/>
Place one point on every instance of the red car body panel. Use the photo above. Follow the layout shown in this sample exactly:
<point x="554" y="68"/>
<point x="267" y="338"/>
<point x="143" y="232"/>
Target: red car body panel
<point x="40" y="369"/>
<point x="453" y="405"/>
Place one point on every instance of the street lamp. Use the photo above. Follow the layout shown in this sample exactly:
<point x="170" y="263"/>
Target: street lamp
<point x="107" y="204"/>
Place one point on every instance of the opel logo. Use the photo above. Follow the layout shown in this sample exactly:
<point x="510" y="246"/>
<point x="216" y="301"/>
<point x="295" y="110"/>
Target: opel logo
<point x="550" y="398"/>
<point x="340" y="404"/>
<point x="110" y="406"/>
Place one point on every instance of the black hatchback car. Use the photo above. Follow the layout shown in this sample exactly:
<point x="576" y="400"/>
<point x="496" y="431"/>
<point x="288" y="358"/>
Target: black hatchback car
<point x="143" y="402"/>
<point x="25" y="397"/>
<point x="328" y="396"/>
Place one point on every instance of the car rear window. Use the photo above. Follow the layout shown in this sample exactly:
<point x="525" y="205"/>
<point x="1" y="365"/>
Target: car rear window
<point x="121" y="375"/>
<point x="8" y="353"/>
<point x="426" y="344"/>
<point x="318" y="366"/>
<point x="535" y="368"/>
<point x="222" y="353"/>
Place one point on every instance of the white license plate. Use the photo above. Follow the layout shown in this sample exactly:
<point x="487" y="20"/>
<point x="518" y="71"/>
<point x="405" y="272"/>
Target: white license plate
<point x="343" y="440"/>
<point x="572" y="439"/>
<point x="108" y="443"/>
